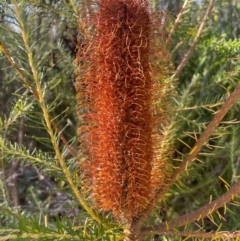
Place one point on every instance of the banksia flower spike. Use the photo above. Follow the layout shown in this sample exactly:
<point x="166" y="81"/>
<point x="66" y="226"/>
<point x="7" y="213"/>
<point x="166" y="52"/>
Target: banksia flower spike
<point x="121" y="106"/>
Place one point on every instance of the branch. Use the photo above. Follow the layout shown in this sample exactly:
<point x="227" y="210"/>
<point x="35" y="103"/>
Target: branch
<point x="205" y="135"/>
<point x="196" y="215"/>
<point x="74" y="7"/>
<point x="35" y="95"/>
<point x="35" y="236"/>
<point x="50" y="122"/>
<point x="177" y="21"/>
<point x="194" y="43"/>
<point x="211" y="235"/>
<point x="136" y="225"/>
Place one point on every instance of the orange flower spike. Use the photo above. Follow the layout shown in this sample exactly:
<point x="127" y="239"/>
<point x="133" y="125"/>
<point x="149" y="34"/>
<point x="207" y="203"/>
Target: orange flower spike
<point x="117" y="91"/>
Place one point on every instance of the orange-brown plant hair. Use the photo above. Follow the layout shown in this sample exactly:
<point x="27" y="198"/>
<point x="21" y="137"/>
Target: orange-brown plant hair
<point x="120" y="134"/>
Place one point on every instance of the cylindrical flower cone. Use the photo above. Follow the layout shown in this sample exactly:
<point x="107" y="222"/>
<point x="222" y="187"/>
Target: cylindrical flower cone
<point x="117" y="108"/>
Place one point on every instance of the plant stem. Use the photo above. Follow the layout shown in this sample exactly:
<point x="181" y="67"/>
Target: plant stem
<point x="35" y="236"/>
<point x="206" y="134"/>
<point x="177" y="21"/>
<point x="202" y="235"/>
<point x="235" y="95"/>
<point x="40" y="98"/>
<point x="35" y="95"/>
<point x="194" y="43"/>
<point x="200" y="213"/>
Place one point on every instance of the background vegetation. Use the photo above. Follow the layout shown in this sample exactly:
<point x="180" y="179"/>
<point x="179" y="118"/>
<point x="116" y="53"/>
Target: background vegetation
<point x="39" y="171"/>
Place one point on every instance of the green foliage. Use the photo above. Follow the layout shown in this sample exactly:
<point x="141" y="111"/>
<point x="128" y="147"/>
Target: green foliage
<point x="205" y="83"/>
<point x="40" y="180"/>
